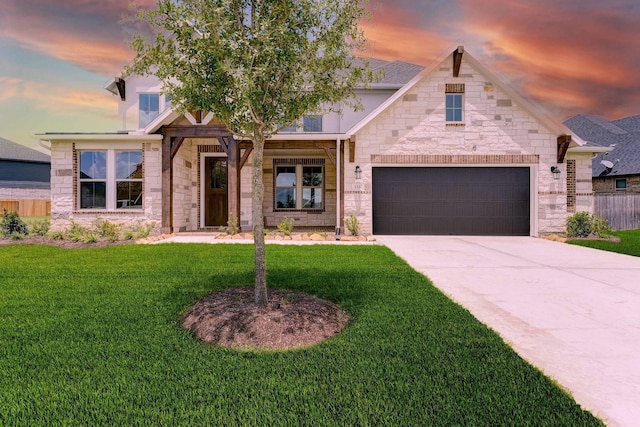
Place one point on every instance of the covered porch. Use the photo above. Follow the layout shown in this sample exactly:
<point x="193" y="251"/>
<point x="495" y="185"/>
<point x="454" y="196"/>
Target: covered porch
<point x="206" y="179"/>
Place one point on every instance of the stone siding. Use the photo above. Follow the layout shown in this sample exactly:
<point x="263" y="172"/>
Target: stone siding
<point x="495" y="131"/>
<point x="64" y="203"/>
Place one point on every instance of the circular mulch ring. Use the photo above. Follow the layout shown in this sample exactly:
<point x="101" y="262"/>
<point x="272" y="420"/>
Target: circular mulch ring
<point x="291" y="319"/>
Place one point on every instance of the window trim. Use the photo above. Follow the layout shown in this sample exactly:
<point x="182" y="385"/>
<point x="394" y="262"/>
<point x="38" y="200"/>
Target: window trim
<point x="454" y="109"/>
<point x="299" y="164"/>
<point x="620" y="188"/>
<point x="300" y="126"/>
<point x="454" y="89"/>
<point x="111" y="180"/>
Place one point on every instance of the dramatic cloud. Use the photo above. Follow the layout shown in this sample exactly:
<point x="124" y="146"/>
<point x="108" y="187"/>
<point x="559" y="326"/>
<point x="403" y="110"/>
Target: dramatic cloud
<point x="577" y="56"/>
<point x="86" y="33"/>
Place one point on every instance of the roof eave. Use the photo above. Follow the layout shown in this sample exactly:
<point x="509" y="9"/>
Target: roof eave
<point x="61" y="137"/>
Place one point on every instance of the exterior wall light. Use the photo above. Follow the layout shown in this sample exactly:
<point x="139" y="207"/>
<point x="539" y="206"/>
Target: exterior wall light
<point x="358" y="172"/>
<point x="556" y="172"/>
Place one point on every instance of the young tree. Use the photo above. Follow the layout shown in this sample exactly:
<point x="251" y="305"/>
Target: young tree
<point x="257" y="65"/>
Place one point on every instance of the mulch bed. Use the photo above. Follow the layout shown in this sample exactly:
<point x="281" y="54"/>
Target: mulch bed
<point x="64" y="243"/>
<point x="292" y="319"/>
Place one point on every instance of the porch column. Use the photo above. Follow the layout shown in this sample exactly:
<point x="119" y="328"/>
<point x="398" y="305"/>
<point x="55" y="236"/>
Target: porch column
<point x="338" y="186"/>
<point x="233" y="171"/>
<point x="167" y="185"/>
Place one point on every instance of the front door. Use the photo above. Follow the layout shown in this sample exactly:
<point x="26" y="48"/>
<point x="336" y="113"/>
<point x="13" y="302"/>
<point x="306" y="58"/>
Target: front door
<point x="215" y="192"/>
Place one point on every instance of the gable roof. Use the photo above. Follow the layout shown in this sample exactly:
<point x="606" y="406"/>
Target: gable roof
<point x="622" y="134"/>
<point x="10" y="150"/>
<point x="528" y="106"/>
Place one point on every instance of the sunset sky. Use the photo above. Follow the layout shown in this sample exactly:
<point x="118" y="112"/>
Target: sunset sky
<point x="571" y="56"/>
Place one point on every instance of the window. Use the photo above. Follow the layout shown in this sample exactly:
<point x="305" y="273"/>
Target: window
<point x="149" y="108"/>
<point x="93" y="179"/>
<point x="454" y="107"/>
<point x="293" y="127"/>
<point x="129" y="179"/>
<point x="110" y="179"/>
<point x="299" y="184"/>
<point x="312" y="123"/>
<point x="621" y="184"/>
<point x="454" y="102"/>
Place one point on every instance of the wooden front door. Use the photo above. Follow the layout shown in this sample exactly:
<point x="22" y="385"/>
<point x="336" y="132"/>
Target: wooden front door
<point x="215" y="192"/>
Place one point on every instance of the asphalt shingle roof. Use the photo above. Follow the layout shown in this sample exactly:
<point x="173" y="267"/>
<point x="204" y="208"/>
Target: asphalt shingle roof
<point x="12" y="151"/>
<point x="395" y="72"/>
<point x="622" y="134"/>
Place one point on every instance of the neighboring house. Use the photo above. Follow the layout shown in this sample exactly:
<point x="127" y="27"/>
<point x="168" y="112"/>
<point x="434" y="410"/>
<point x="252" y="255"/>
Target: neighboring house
<point x="616" y="174"/>
<point x="25" y="176"/>
<point x="448" y="149"/>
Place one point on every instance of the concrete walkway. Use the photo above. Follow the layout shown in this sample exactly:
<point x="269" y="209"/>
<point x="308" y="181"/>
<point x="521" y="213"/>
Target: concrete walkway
<point x="571" y="311"/>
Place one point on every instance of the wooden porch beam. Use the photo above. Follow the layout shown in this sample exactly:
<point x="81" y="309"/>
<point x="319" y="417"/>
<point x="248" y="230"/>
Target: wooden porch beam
<point x="563" y="146"/>
<point x="332" y="159"/>
<point x="212" y="131"/>
<point x="167" y="186"/>
<point x="233" y="173"/>
<point x="352" y="149"/>
<point x="245" y="156"/>
<point x="223" y="144"/>
<point x="175" y="145"/>
<point x="457" y="60"/>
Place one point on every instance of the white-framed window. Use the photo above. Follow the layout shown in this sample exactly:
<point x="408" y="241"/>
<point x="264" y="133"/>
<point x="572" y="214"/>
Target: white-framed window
<point x="310" y="123"/>
<point x="92" y="179"/>
<point x="454" y="103"/>
<point x="110" y="179"/>
<point x="149" y="108"/>
<point x="621" y="184"/>
<point x="298" y="184"/>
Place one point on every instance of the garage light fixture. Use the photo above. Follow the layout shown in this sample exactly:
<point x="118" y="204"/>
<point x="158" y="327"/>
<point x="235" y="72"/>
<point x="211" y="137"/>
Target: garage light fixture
<point x="556" y="172"/>
<point x="358" y="172"/>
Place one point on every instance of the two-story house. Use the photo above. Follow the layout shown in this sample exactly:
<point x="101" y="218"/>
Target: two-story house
<point x="447" y="149"/>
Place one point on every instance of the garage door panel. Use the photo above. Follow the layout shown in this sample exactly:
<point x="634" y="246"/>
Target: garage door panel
<point x="446" y="200"/>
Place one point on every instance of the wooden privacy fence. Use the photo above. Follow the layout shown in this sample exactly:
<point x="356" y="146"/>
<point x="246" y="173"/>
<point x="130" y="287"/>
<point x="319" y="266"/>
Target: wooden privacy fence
<point x="621" y="210"/>
<point x="27" y="207"/>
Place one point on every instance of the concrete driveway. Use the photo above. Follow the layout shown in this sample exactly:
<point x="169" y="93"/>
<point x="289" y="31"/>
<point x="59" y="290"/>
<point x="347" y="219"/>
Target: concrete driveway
<point x="571" y="311"/>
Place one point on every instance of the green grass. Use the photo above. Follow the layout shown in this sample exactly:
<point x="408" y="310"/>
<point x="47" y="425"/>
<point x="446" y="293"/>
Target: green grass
<point x="92" y="337"/>
<point x="629" y="243"/>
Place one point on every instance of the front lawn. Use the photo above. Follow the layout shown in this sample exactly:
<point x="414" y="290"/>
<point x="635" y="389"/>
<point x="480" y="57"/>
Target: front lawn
<point x="92" y="337"/>
<point x="629" y="243"/>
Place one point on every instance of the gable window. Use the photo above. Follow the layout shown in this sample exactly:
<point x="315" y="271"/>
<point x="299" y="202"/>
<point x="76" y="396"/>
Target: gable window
<point x="298" y="184"/>
<point x="454" y="101"/>
<point x="110" y="179"/>
<point x="149" y="108"/>
<point x="312" y="123"/>
<point x="621" y="184"/>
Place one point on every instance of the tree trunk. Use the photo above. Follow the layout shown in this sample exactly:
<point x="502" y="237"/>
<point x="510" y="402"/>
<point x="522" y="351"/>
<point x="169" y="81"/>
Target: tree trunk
<point x="257" y="220"/>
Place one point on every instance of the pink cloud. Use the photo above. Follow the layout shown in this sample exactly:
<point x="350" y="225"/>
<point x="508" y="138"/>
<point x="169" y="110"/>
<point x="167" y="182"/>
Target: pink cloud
<point x="86" y="33"/>
<point x="574" y="56"/>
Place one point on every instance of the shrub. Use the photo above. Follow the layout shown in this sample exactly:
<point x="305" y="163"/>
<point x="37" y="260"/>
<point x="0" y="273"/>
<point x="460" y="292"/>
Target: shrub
<point x="56" y="235"/>
<point x="76" y="232"/>
<point x="107" y="229"/>
<point x="40" y="227"/>
<point x="286" y="226"/>
<point x="11" y="224"/>
<point x="352" y="224"/>
<point x="601" y="227"/>
<point x="232" y="226"/>
<point x="583" y="224"/>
